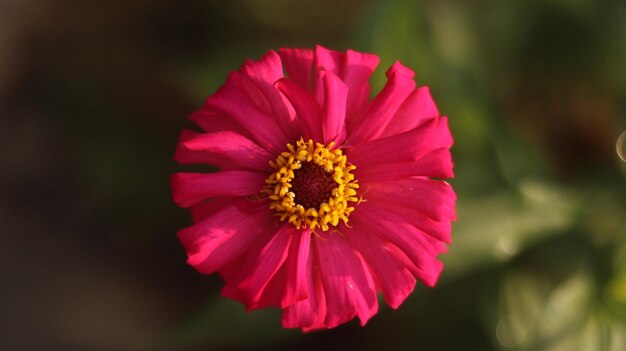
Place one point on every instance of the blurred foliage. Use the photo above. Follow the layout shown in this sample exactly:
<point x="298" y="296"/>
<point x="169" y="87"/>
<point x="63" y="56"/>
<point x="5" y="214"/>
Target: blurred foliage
<point x="536" y="96"/>
<point x="535" y="104"/>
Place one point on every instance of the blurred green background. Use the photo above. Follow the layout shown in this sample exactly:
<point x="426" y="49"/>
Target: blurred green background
<point x="93" y="95"/>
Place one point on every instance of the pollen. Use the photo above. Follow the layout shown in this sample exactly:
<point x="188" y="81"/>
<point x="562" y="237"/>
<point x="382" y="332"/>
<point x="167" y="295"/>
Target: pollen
<point x="312" y="186"/>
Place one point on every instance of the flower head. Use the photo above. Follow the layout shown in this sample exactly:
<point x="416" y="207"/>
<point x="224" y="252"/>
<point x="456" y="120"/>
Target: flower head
<point x="324" y="196"/>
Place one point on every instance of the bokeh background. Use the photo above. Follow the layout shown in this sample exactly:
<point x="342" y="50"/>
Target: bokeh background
<point x="93" y="95"/>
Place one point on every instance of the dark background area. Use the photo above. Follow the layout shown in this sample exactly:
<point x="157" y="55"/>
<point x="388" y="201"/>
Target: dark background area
<point x="93" y="96"/>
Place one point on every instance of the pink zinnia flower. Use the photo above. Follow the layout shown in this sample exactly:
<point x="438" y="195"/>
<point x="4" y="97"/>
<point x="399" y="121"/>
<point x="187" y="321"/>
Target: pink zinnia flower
<point x="324" y="196"/>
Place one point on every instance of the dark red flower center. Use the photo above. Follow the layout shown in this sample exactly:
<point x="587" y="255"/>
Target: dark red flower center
<point x="312" y="185"/>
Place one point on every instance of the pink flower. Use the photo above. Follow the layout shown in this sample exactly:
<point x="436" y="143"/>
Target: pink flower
<point x="324" y="196"/>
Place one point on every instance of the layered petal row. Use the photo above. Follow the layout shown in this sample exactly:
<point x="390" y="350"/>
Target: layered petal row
<point x="395" y="146"/>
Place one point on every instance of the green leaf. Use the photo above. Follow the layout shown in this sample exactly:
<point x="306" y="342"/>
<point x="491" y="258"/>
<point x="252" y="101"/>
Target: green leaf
<point x="493" y="229"/>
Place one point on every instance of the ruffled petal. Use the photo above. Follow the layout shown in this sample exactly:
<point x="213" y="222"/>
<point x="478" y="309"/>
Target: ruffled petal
<point x="306" y="107"/>
<point x="210" y="206"/>
<point x="394" y="279"/>
<point x="409" y="146"/>
<point x="217" y="240"/>
<point x="329" y="60"/>
<point x="298" y="64"/>
<point x="356" y="73"/>
<point x="282" y="112"/>
<point x="265" y="275"/>
<point x="226" y="150"/>
<point x="318" y="86"/>
<point x="335" y="95"/>
<point x="268" y="68"/>
<point x="246" y="281"/>
<point x="273" y="290"/>
<point x="296" y="282"/>
<point x="211" y="120"/>
<point x="348" y="285"/>
<point x="433" y="198"/>
<point x="262" y="127"/>
<point x="246" y="85"/>
<point x="384" y="106"/>
<point x="427" y="272"/>
<point x="418" y="108"/>
<point x="440" y="230"/>
<point x="189" y="189"/>
<point x="267" y="263"/>
<point x="435" y="164"/>
<point x="310" y="313"/>
<point x="185" y="156"/>
<point x="419" y="250"/>
<point x="263" y="74"/>
<point x="326" y="60"/>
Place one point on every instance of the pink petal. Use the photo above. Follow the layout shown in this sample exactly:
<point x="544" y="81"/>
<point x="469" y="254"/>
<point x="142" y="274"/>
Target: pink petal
<point x="307" y="109"/>
<point x="268" y="68"/>
<point x="296" y="282"/>
<point x="246" y="281"/>
<point x="282" y="112"/>
<point x="190" y="188"/>
<point x="356" y="73"/>
<point x="394" y="279"/>
<point x="325" y="61"/>
<point x="212" y="120"/>
<point x="262" y="127"/>
<point x="299" y="64"/>
<point x="435" y="164"/>
<point x="247" y="87"/>
<point x="236" y="271"/>
<point x="329" y="60"/>
<point x="348" y="285"/>
<point x="433" y="198"/>
<point x="409" y="146"/>
<point x="414" y="111"/>
<point x="273" y="291"/>
<point x="428" y="273"/>
<point x="185" y="156"/>
<point x="209" y="207"/>
<point x="335" y="95"/>
<point x="226" y="150"/>
<point x="318" y="86"/>
<point x="384" y="106"/>
<point x="263" y="74"/>
<point x="420" y="249"/>
<point x="266" y="264"/>
<point x="439" y="230"/>
<point x="308" y="314"/>
<point x="223" y="237"/>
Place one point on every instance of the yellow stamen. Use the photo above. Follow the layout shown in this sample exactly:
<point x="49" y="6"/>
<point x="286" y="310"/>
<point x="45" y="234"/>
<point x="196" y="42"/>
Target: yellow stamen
<point x="331" y="211"/>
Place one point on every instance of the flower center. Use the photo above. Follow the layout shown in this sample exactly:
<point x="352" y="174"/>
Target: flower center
<point x="312" y="186"/>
